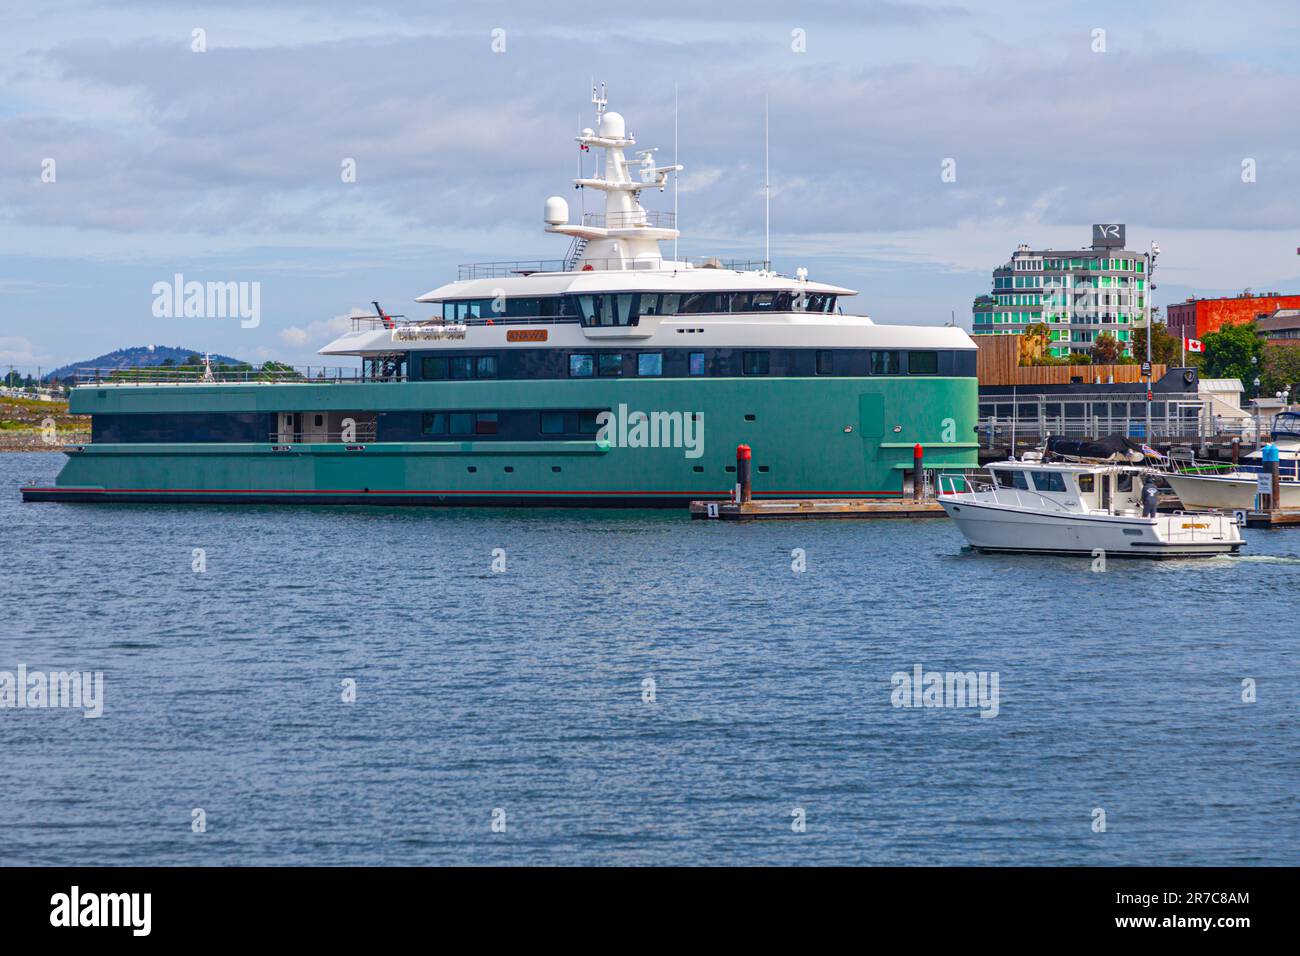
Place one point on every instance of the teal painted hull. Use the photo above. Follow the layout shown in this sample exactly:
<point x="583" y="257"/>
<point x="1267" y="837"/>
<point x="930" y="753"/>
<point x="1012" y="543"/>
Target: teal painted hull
<point x="819" y="437"/>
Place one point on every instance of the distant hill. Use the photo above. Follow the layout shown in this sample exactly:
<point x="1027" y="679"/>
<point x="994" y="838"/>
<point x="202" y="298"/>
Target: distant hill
<point x="140" y="356"/>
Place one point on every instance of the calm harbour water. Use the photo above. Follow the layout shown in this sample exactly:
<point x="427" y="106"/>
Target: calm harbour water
<point x="523" y="691"/>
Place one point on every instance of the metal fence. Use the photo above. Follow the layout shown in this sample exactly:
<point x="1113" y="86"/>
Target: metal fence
<point x="1034" y="417"/>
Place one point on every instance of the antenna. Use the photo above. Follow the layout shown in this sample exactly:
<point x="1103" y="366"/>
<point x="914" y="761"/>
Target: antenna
<point x="600" y="100"/>
<point x="678" y="175"/>
<point x="767" y="196"/>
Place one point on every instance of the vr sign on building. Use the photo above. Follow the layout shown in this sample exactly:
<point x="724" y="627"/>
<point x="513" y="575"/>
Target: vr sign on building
<point x="1108" y="235"/>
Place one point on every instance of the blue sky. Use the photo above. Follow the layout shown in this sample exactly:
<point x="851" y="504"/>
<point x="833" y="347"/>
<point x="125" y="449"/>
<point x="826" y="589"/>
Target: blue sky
<point x="225" y="165"/>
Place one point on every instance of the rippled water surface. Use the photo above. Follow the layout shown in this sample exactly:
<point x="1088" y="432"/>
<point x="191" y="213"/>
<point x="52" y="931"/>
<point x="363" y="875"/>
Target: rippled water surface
<point x="523" y="691"/>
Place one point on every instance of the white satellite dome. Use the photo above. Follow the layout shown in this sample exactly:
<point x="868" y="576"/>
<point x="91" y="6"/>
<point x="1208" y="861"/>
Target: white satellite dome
<point x="557" y="211"/>
<point x="612" y="126"/>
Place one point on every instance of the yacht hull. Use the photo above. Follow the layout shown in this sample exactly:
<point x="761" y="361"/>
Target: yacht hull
<point x="829" y="437"/>
<point x="1225" y="493"/>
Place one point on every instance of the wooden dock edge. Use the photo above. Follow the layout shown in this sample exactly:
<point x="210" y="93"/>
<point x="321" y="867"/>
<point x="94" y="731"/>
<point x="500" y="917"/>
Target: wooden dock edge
<point x="758" y="509"/>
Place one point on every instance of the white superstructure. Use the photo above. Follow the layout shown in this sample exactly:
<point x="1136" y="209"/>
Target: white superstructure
<point x="616" y="284"/>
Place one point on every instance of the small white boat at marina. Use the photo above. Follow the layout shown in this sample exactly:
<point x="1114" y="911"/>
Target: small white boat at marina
<point x="1038" y="507"/>
<point x="1222" y="486"/>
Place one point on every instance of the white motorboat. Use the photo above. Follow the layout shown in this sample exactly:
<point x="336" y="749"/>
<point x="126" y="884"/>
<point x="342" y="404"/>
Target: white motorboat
<point x="1221" y="486"/>
<point x="1082" y="508"/>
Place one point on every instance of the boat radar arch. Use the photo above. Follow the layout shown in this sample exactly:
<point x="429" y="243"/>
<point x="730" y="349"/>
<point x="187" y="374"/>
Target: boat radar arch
<point x="625" y="236"/>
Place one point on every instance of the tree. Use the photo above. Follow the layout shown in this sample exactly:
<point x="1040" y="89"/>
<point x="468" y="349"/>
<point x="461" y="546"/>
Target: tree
<point x="1280" y="368"/>
<point x="1166" y="349"/>
<point x="1229" y="353"/>
<point x="1105" y="349"/>
<point x="1033" y="343"/>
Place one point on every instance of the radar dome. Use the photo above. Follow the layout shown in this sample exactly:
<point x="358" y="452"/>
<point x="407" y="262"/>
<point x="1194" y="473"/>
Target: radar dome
<point x="611" y="126"/>
<point x="557" y="211"/>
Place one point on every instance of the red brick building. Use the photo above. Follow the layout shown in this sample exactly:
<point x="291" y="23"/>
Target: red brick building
<point x="1193" y="318"/>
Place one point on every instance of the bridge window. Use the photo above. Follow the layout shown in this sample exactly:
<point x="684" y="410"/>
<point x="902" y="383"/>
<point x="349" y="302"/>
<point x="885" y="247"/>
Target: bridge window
<point x="462" y="366"/>
<point x="433" y="367"/>
<point x="485" y="366"/>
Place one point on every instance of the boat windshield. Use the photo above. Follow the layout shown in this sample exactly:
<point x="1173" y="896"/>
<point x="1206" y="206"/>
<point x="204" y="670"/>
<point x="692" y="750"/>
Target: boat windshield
<point x="1007" y="478"/>
<point x="1286" y="425"/>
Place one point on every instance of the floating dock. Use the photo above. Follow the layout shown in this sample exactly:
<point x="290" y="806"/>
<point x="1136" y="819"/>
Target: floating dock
<point x="753" y="510"/>
<point x="744" y="507"/>
<point x="1280" y="518"/>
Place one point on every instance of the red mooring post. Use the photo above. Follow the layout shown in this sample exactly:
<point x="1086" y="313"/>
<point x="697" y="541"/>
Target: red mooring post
<point x="918" y="480"/>
<point x="743" y="489"/>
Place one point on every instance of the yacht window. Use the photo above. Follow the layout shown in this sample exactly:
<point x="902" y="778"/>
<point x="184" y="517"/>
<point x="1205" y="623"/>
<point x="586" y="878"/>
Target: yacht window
<point x="699" y="302"/>
<point x="461" y="423"/>
<point x="1011" y="479"/>
<point x="611" y="363"/>
<point x="923" y="363"/>
<point x="742" y="302"/>
<point x="825" y="362"/>
<point x="755" y="363"/>
<point x="433" y="367"/>
<point x="587" y="423"/>
<point x="581" y="366"/>
<point x="1124" y="481"/>
<point x="669" y="304"/>
<point x="485" y="366"/>
<point x="650" y="363"/>
<point x="885" y="363"/>
<point x="764" y="302"/>
<point x="523" y="308"/>
<point x="485" y="423"/>
<point x="591" y="309"/>
<point x="698" y="366"/>
<point x="784" y="302"/>
<point x="621" y="307"/>
<point x="1049" y="481"/>
<point x="462" y="366"/>
<point x="552" y="423"/>
<point x="1087" y="483"/>
<point x="434" y="423"/>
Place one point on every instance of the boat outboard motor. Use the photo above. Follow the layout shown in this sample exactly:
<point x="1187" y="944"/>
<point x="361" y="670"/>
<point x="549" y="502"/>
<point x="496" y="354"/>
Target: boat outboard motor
<point x="1149" y="497"/>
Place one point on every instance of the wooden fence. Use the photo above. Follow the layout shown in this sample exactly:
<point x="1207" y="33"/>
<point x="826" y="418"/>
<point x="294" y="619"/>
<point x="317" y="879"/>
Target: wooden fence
<point x="998" y="363"/>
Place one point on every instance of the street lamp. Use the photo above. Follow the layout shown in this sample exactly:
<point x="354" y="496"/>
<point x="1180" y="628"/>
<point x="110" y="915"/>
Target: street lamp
<point x="1151" y="268"/>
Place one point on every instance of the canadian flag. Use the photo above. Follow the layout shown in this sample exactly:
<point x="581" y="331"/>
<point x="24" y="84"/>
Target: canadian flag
<point x="1193" y="345"/>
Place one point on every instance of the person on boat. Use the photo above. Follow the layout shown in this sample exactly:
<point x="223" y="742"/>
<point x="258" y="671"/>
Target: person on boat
<point x="1149" y="497"/>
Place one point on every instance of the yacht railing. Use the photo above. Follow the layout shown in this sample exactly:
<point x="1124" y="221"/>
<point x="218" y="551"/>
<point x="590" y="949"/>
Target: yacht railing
<point x="523" y="267"/>
<point x="191" y="375"/>
<point x="630" y="220"/>
<point x="983" y="491"/>
<point x="1178" y="465"/>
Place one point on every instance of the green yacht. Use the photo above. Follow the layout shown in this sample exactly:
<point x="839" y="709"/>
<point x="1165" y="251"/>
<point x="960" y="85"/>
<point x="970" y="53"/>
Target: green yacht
<point x="615" y="376"/>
